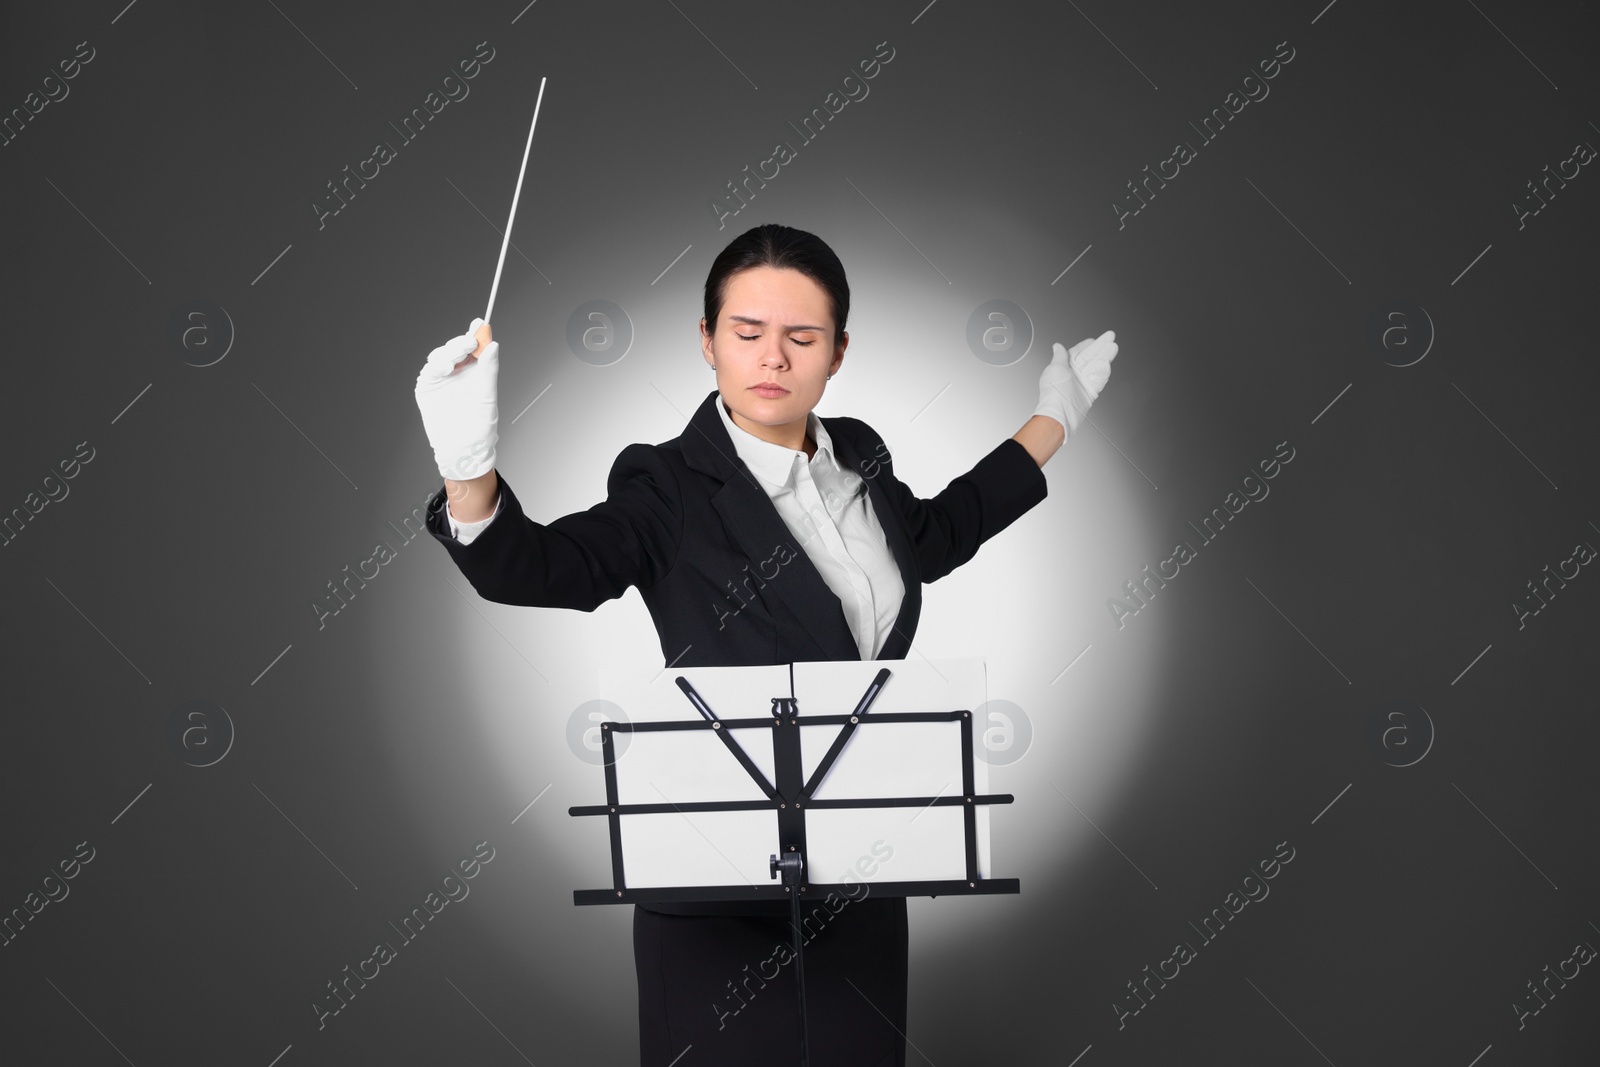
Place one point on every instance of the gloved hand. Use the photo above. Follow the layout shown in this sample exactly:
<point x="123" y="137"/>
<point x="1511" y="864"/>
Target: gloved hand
<point x="1074" y="378"/>
<point x="459" y="401"/>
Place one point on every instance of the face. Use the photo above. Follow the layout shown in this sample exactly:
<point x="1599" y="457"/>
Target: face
<point x="775" y="326"/>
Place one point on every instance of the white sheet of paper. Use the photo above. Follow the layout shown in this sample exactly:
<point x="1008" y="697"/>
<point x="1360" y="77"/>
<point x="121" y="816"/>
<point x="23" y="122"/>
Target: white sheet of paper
<point x="881" y="759"/>
<point x="890" y="759"/>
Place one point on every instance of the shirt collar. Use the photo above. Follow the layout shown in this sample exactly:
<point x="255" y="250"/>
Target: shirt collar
<point x="772" y="463"/>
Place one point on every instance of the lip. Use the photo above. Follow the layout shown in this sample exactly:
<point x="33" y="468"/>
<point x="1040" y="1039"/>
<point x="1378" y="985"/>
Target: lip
<point x="769" y="387"/>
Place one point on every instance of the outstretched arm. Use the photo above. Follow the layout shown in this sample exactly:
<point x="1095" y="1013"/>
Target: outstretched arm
<point x="948" y="528"/>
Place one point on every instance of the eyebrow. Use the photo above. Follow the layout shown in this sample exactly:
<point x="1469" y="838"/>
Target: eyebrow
<point x="758" y="322"/>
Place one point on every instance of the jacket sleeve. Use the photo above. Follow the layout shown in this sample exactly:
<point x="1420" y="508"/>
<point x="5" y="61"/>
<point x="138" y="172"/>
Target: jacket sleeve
<point x="579" y="560"/>
<point x="948" y="529"/>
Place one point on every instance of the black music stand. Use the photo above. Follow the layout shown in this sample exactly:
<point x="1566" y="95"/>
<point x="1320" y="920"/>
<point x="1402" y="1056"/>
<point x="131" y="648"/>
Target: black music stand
<point x="791" y="796"/>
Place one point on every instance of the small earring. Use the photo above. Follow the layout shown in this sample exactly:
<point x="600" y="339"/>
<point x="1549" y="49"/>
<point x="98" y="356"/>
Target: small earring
<point x="830" y="378"/>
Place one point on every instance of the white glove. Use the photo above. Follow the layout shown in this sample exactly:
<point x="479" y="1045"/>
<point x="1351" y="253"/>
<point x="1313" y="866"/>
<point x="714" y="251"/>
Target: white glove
<point x="1074" y="378"/>
<point x="458" y="398"/>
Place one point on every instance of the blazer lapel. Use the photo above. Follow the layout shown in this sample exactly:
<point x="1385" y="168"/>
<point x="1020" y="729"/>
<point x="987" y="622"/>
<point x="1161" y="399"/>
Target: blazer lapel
<point x="898" y="643"/>
<point x="756" y="527"/>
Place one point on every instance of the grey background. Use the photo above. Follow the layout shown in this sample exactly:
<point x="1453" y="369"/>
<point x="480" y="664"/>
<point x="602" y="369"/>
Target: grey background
<point x="1245" y="705"/>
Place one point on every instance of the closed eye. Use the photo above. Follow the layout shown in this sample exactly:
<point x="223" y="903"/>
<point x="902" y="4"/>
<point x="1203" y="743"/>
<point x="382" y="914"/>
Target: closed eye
<point x="755" y="336"/>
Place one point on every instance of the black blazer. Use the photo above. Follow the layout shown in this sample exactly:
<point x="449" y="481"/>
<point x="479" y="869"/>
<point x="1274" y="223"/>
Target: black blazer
<point x="725" y="581"/>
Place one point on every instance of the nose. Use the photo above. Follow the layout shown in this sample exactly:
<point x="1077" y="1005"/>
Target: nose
<point x="772" y="354"/>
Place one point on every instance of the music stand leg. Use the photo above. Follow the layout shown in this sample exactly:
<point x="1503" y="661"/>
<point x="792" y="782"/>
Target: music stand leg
<point x="791" y="865"/>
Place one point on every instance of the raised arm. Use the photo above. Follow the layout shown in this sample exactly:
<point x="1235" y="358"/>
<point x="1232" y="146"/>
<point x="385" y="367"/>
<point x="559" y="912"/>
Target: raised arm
<point x="576" y="561"/>
<point x="949" y="528"/>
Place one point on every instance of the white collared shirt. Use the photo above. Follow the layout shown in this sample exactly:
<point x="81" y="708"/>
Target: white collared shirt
<point x="827" y="508"/>
<point x="829" y="511"/>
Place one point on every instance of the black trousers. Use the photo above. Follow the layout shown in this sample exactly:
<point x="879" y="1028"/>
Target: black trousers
<point x="719" y="990"/>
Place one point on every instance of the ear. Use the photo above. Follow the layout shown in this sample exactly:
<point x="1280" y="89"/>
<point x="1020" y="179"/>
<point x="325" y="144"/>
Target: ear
<point x="705" y="344"/>
<point x="838" y="353"/>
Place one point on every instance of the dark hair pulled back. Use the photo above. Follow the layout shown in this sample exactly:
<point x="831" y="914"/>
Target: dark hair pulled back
<point x="774" y="245"/>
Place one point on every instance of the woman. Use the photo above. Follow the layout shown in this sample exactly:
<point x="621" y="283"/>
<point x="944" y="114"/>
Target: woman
<point x="762" y="534"/>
